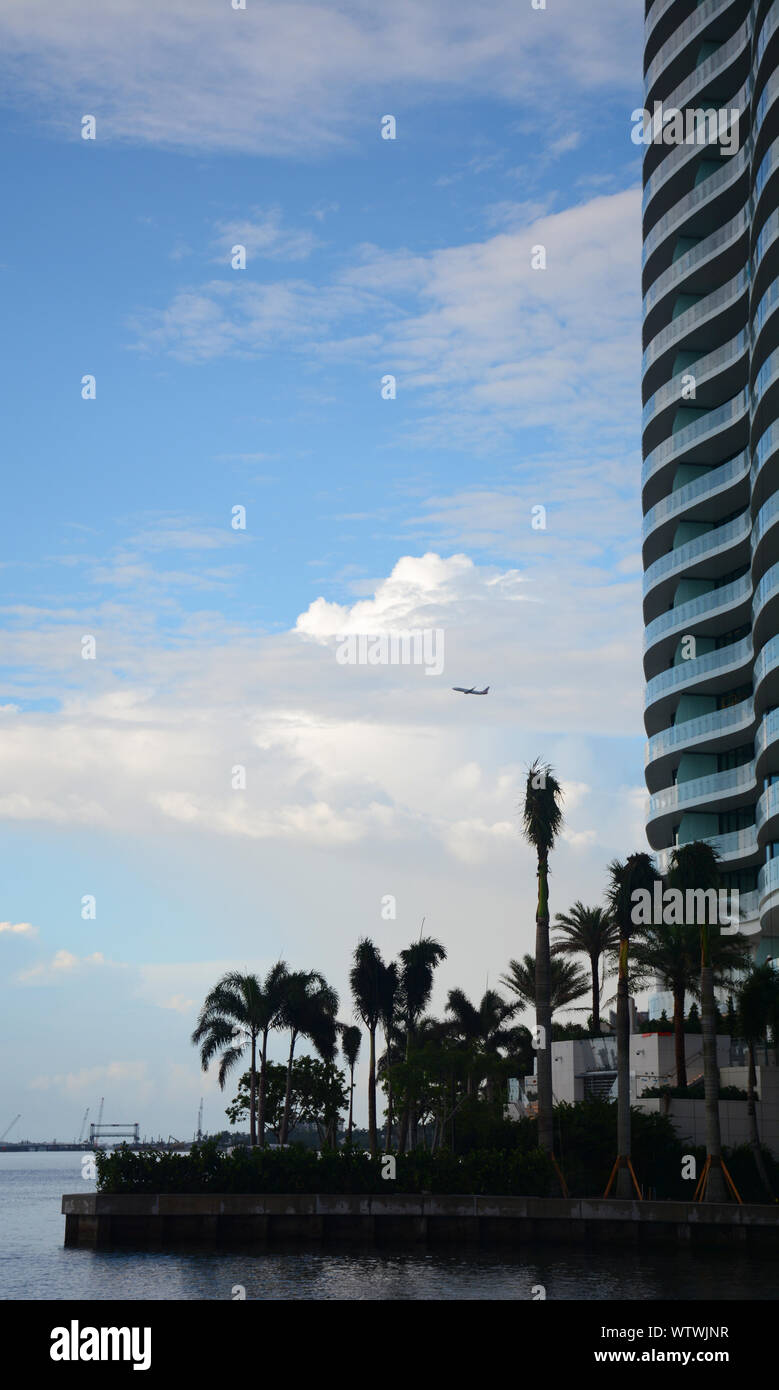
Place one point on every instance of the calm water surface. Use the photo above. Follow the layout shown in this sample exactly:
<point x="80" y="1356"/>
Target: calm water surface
<point x="35" y="1265"/>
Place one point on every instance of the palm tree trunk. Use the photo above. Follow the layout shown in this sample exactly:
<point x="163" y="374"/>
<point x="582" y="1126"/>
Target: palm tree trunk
<point x="595" y="996"/>
<point x="715" y="1187"/>
<point x="372" y="1136"/>
<point x="679" y="1047"/>
<point x="544" y="1012"/>
<point x="288" y="1092"/>
<point x="351" y="1104"/>
<point x="263" y="1085"/>
<point x="624" y="1185"/>
<point x="406" y="1115"/>
<point x="253" y="1095"/>
<point x="754" y="1137"/>
<point x="388" y="1129"/>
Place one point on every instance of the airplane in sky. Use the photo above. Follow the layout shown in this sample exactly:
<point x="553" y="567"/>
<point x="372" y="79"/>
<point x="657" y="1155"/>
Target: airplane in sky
<point x="472" y="691"/>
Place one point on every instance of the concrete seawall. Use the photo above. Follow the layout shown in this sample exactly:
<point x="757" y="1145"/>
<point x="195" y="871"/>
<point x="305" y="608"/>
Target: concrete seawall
<point x="145" y="1219"/>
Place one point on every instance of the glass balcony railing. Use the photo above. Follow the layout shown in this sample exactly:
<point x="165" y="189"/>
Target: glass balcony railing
<point x="766" y="306"/>
<point x="766" y="661"/>
<point x="681" y="36"/>
<point x="766" y="446"/>
<point x="711" y="424"/>
<point x="703" y="368"/>
<point x="768" y="879"/>
<point x="702" y="789"/>
<point x="703" y="192"/>
<point x="721" y="722"/>
<point x="686" y="615"/>
<point x="767" y="32"/>
<point x="767" y="806"/>
<point x="719" y="662"/>
<point x="767" y="166"/>
<point x="679" y="270"/>
<point x="716" y="63"/>
<point x="766" y="519"/>
<point x="703" y="546"/>
<point x="765" y="378"/>
<point x="682" y="154"/>
<point x="713" y="303"/>
<point x="738" y="844"/>
<point x="734" y="471"/>
<point x="768" y="234"/>
<point x="767" y="589"/>
<point x="767" y="733"/>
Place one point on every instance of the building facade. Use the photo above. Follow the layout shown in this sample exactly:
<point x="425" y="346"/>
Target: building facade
<point x="710" y="482"/>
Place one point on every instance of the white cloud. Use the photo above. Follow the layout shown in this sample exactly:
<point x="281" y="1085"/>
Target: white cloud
<point x="63" y="964"/>
<point x="300" y="77"/>
<point x="18" y="929"/>
<point x="264" y="235"/>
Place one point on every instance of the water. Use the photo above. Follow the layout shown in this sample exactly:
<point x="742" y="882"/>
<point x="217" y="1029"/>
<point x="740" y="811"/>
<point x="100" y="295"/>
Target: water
<point x="35" y="1265"/>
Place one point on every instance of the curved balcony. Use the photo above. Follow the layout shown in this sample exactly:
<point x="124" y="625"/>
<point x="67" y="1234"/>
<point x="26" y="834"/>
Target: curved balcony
<point x="696" y="258"/>
<point x="763" y="454"/>
<point x="765" y="606"/>
<point x="767" y="815"/>
<point x="702" y="613"/>
<point x="715" y="732"/>
<point x="764" y="526"/>
<point x="724" y="297"/>
<point x="705" y="369"/>
<point x="737" y="848"/>
<point x="702" y="193"/>
<point x="680" y="156"/>
<point x="712" y="67"/>
<point x="682" y="35"/>
<point x="765" y="677"/>
<point x="718" y="671"/>
<point x="768" y="167"/>
<point x="698" y="552"/>
<point x="767" y="31"/>
<point x="709" y="486"/>
<point x="767" y="745"/>
<point x="708" y="427"/>
<point x="768" y="889"/>
<point x="765" y="239"/>
<point x="764" y="382"/>
<point x="736" y="787"/>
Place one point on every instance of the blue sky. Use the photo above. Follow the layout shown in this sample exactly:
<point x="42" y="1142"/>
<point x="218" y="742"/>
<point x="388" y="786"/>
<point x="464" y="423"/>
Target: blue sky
<point x="262" y="388"/>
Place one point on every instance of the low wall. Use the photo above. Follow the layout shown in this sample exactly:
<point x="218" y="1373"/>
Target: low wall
<point x="103" y="1220"/>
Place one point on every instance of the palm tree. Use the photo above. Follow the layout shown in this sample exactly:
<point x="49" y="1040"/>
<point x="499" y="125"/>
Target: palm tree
<point x="351" y="1038"/>
<point x="367" y="981"/>
<point x="566" y="981"/>
<point x="417" y="964"/>
<point x="636" y="874"/>
<point x="694" y="866"/>
<point x="757" y="1001"/>
<point x="671" y="953"/>
<point x="542" y="820"/>
<point x="591" y="932"/>
<point x="272" y="1005"/>
<point x="389" y="996"/>
<point x="309" y="1007"/>
<point x="482" y="1029"/>
<point x="232" y="1018"/>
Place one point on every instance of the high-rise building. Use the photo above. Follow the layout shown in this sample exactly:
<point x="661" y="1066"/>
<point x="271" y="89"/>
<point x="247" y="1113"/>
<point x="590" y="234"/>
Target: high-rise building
<point x="710" y="484"/>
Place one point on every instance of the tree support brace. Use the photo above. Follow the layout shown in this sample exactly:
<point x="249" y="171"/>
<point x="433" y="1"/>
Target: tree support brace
<point x="700" y="1191"/>
<point x="623" y="1161"/>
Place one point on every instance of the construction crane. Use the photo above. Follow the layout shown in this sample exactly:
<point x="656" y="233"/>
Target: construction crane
<point x="83" y="1126"/>
<point x="199" y="1134"/>
<point x="10" y="1127"/>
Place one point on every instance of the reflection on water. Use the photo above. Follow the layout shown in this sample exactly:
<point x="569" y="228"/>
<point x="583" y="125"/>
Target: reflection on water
<point x="34" y="1263"/>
